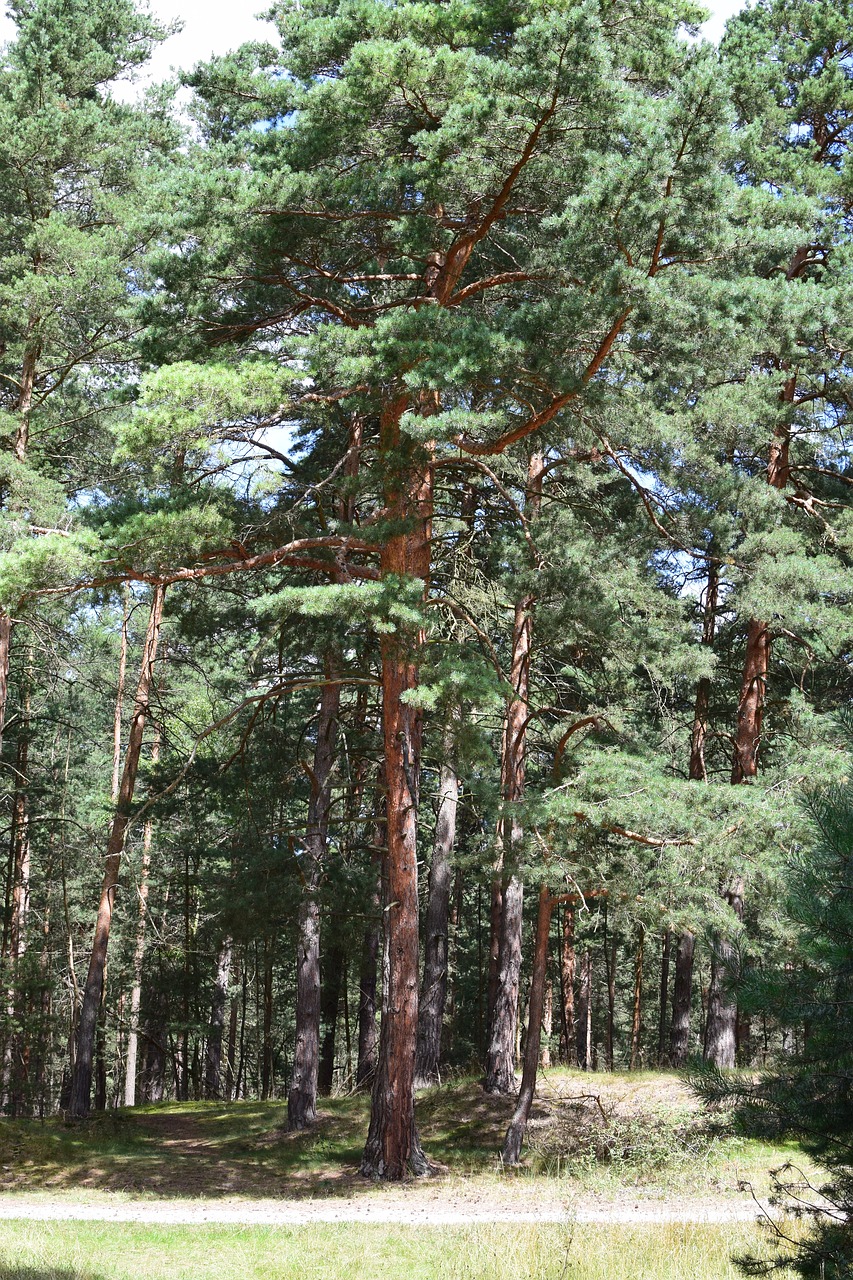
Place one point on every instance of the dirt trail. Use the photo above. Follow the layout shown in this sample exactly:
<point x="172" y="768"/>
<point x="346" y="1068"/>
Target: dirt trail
<point x="395" y="1208"/>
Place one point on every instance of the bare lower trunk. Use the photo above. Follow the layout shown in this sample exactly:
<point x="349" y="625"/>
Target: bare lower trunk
<point x="233" y="1017"/>
<point x="139" y="952"/>
<point x="515" y="1132"/>
<point x="679" y="1036"/>
<point x="500" y="1056"/>
<point x="721" y="1022"/>
<point x="585" y="1012"/>
<point x="637" y="1005"/>
<point x="547" y="1026"/>
<point x="367" y="1037"/>
<point x="213" y="1050"/>
<point x="334" y="976"/>
<point x="392" y="1145"/>
<point x="699" y="737"/>
<point x="664" y="996"/>
<point x="302" y="1094"/>
<point x="434" y="989"/>
<point x="567" y="987"/>
<point x="82" y="1075"/>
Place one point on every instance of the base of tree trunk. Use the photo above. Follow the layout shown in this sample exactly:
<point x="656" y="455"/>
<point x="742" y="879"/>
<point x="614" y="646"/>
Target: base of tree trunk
<point x="373" y="1162"/>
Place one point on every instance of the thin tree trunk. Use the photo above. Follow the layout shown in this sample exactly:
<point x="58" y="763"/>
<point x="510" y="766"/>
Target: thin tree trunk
<point x="434" y="989"/>
<point x="330" y="1001"/>
<point x="82" y="1076"/>
<point x="664" y="996"/>
<point x="637" y="1004"/>
<point x="699" y="737"/>
<point x="547" y="1025"/>
<point x="266" y="1051"/>
<point x="585" y="1012"/>
<point x="515" y="1132"/>
<point x="302" y="1094"/>
<point x="367" y="1037"/>
<point x="213" y="1050"/>
<point x="609" y="948"/>
<point x="233" y="1016"/>
<point x="139" y="949"/>
<point x="567" y="986"/>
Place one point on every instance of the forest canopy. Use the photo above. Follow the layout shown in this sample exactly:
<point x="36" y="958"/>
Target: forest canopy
<point x="425" y="581"/>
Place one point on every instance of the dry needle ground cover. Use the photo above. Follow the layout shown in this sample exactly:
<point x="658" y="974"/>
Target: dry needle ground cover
<point x="596" y="1133"/>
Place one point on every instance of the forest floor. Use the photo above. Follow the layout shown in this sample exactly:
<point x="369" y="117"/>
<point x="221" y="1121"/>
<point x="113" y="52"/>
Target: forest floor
<point x="635" y="1145"/>
<point x="624" y="1178"/>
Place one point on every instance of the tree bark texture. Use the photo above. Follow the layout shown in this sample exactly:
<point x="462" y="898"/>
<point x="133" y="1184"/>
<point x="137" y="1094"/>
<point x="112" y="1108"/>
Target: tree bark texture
<point x="721" y="1022"/>
<point x="216" y="1028"/>
<point x="637" y="1004"/>
<point x="585" y="1012"/>
<point x="139" y="951"/>
<point x="434" y="989"/>
<point x="518" y="1124"/>
<point x="392" y="1145"/>
<point x="664" y="996"/>
<point x="82" y="1075"/>
<point x="302" y="1094"/>
<point x="750" y="710"/>
<point x="333" y="970"/>
<point x="567" y="986"/>
<point x="368" y="971"/>
<point x="679" y="1036"/>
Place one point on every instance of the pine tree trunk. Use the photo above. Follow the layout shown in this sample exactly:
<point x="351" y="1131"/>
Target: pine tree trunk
<point x="233" y="1017"/>
<point x="567" y="987"/>
<point x="679" y="1036"/>
<point x="610" y="956"/>
<point x="139" y="950"/>
<point x="750" y="709"/>
<point x="699" y="737"/>
<point x="637" y="1004"/>
<point x="82" y="1074"/>
<point x="333" y="972"/>
<point x="515" y="1132"/>
<point x="367" y="1038"/>
<point x="547" y="1026"/>
<point x="721" y="1022"/>
<point x="664" y="996"/>
<point x="302" y="1094"/>
<point x="585" y="1012"/>
<point x="213" y="1050"/>
<point x="266" y="1050"/>
<point x="434" y="989"/>
<point x="392" y="1145"/>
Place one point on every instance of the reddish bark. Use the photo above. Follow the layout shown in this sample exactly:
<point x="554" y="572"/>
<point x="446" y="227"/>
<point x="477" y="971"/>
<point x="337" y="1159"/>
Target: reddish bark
<point x="392" y="1145"/>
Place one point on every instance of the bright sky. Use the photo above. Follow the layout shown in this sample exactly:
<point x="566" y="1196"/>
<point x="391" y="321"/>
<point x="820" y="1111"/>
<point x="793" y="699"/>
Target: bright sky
<point x="215" y="26"/>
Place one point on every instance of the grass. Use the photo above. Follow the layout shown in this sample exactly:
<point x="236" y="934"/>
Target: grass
<point x="646" y="1133"/>
<point x="78" y="1251"/>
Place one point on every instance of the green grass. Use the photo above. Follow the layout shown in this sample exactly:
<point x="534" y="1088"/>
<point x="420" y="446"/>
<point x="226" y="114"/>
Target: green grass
<point x="78" y="1251"/>
<point x="651" y="1136"/>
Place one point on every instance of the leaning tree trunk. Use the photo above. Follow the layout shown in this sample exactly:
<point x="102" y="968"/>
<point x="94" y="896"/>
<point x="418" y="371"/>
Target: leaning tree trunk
<point x="515" y="1132"/>
<point x="213" y="1049"/>
<point x="302" y="1095"/>
<point x="82" y="1076"/>
<point x="392" y="1145"/>
<point x="139" y="951"/>
<point x="434" y="988"/>
<point x="721" y="1023"/>
<point x="679" y="1035"/>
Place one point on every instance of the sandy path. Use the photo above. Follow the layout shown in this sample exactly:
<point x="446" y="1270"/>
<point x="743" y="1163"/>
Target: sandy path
<point x="450" y="1212"/>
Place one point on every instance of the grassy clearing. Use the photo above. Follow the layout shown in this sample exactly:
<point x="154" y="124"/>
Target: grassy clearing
<point x="77" y="1251"/>
<point x="646" y="1133"/>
